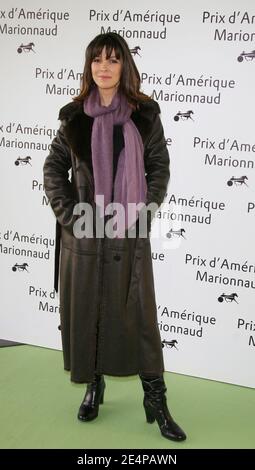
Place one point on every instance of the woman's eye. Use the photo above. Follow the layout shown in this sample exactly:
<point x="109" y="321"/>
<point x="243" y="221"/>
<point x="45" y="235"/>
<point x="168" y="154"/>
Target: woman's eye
<point x="113" y="61"/>
<point x="95" y="59"/>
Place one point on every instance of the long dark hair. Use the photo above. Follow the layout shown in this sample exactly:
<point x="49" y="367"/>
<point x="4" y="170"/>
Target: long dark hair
<point x="130" y="80"/>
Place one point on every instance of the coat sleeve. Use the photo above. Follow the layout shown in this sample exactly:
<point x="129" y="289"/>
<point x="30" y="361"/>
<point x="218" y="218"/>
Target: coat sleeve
<point x="57" y="186"/>
<point x="156" y="162"/>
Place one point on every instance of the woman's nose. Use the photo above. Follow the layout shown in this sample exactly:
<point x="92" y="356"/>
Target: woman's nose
<point x="104" y="65"/>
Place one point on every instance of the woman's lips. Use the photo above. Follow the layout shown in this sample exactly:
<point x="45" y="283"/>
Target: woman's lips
<point x="103" y="77"/>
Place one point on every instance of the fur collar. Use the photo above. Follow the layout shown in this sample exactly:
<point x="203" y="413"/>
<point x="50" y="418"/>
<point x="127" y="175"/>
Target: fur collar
<point x="77" y="125"/>
<point x="147" y="108"/>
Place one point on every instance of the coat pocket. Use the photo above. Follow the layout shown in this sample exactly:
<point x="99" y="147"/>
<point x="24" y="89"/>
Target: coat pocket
<point x="133" y="288"/>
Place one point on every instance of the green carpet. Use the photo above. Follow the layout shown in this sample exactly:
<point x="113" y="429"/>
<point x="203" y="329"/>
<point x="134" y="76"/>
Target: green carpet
<point x="39" y="404"/>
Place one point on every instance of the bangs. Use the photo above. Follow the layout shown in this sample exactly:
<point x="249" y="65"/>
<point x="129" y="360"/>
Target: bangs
<point x="109" y="44"/>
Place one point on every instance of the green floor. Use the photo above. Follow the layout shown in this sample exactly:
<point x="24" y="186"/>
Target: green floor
<point x="39" y="404"/>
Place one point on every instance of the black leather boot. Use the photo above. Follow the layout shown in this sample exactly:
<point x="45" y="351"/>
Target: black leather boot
<point x="155" y="407"/>
<point x="93" y="397"/>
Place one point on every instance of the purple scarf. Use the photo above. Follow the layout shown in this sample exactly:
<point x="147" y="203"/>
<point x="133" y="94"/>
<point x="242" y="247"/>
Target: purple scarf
<point x="130" y="183"/>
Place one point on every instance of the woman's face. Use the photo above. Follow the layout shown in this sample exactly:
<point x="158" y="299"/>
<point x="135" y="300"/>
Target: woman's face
<point x="106" y="73"/>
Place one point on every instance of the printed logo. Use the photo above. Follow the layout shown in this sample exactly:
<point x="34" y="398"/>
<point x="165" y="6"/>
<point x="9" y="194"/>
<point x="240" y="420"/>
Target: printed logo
<point x="20" y="267"/>
<point x="169" y="344"/>
<point x="237" y="181"/>
<point x="135" y="50"/>
<point x="23" y="161"/>
<point x="246" y="55"/>
<point x="26" y="48"/>
<point x="176" y="233"/>
<point x="228" y="297"/>
<point x="184" y="116"/>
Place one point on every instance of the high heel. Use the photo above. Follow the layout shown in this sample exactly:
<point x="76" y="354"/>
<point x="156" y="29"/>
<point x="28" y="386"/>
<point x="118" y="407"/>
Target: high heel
<point x="101" y="401"/>
<point x="94" y="397"/>
<point x="155" y="407"/>
<point x="149" y="417"/>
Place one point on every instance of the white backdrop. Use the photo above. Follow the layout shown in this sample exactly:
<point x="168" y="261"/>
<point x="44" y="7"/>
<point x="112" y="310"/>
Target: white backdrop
<point x="196" y="59"/>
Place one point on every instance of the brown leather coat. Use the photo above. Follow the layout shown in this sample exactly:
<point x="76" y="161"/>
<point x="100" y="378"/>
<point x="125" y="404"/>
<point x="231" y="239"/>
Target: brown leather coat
<point x="107" y="297"/>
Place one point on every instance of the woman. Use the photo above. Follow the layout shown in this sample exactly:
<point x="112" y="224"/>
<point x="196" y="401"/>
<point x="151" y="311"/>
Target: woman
<point x="112" y="139"/>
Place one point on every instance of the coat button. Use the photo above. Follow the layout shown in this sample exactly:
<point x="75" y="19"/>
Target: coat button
<point x="117" y="257"/>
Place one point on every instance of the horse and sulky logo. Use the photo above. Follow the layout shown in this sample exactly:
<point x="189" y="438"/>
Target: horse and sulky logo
<point x="184" y="116"/>
<point x="237" y="181"/>
<point x="228" y="297"/>
<point x="20" y="267"/>
<point x="26" y="48"/>
<point x="135" y="50"/>
<point x="169" y="344"/>
<point x="176" y="233"/>
<point x="23" y="161"/>
<point x="246" y="55"/>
